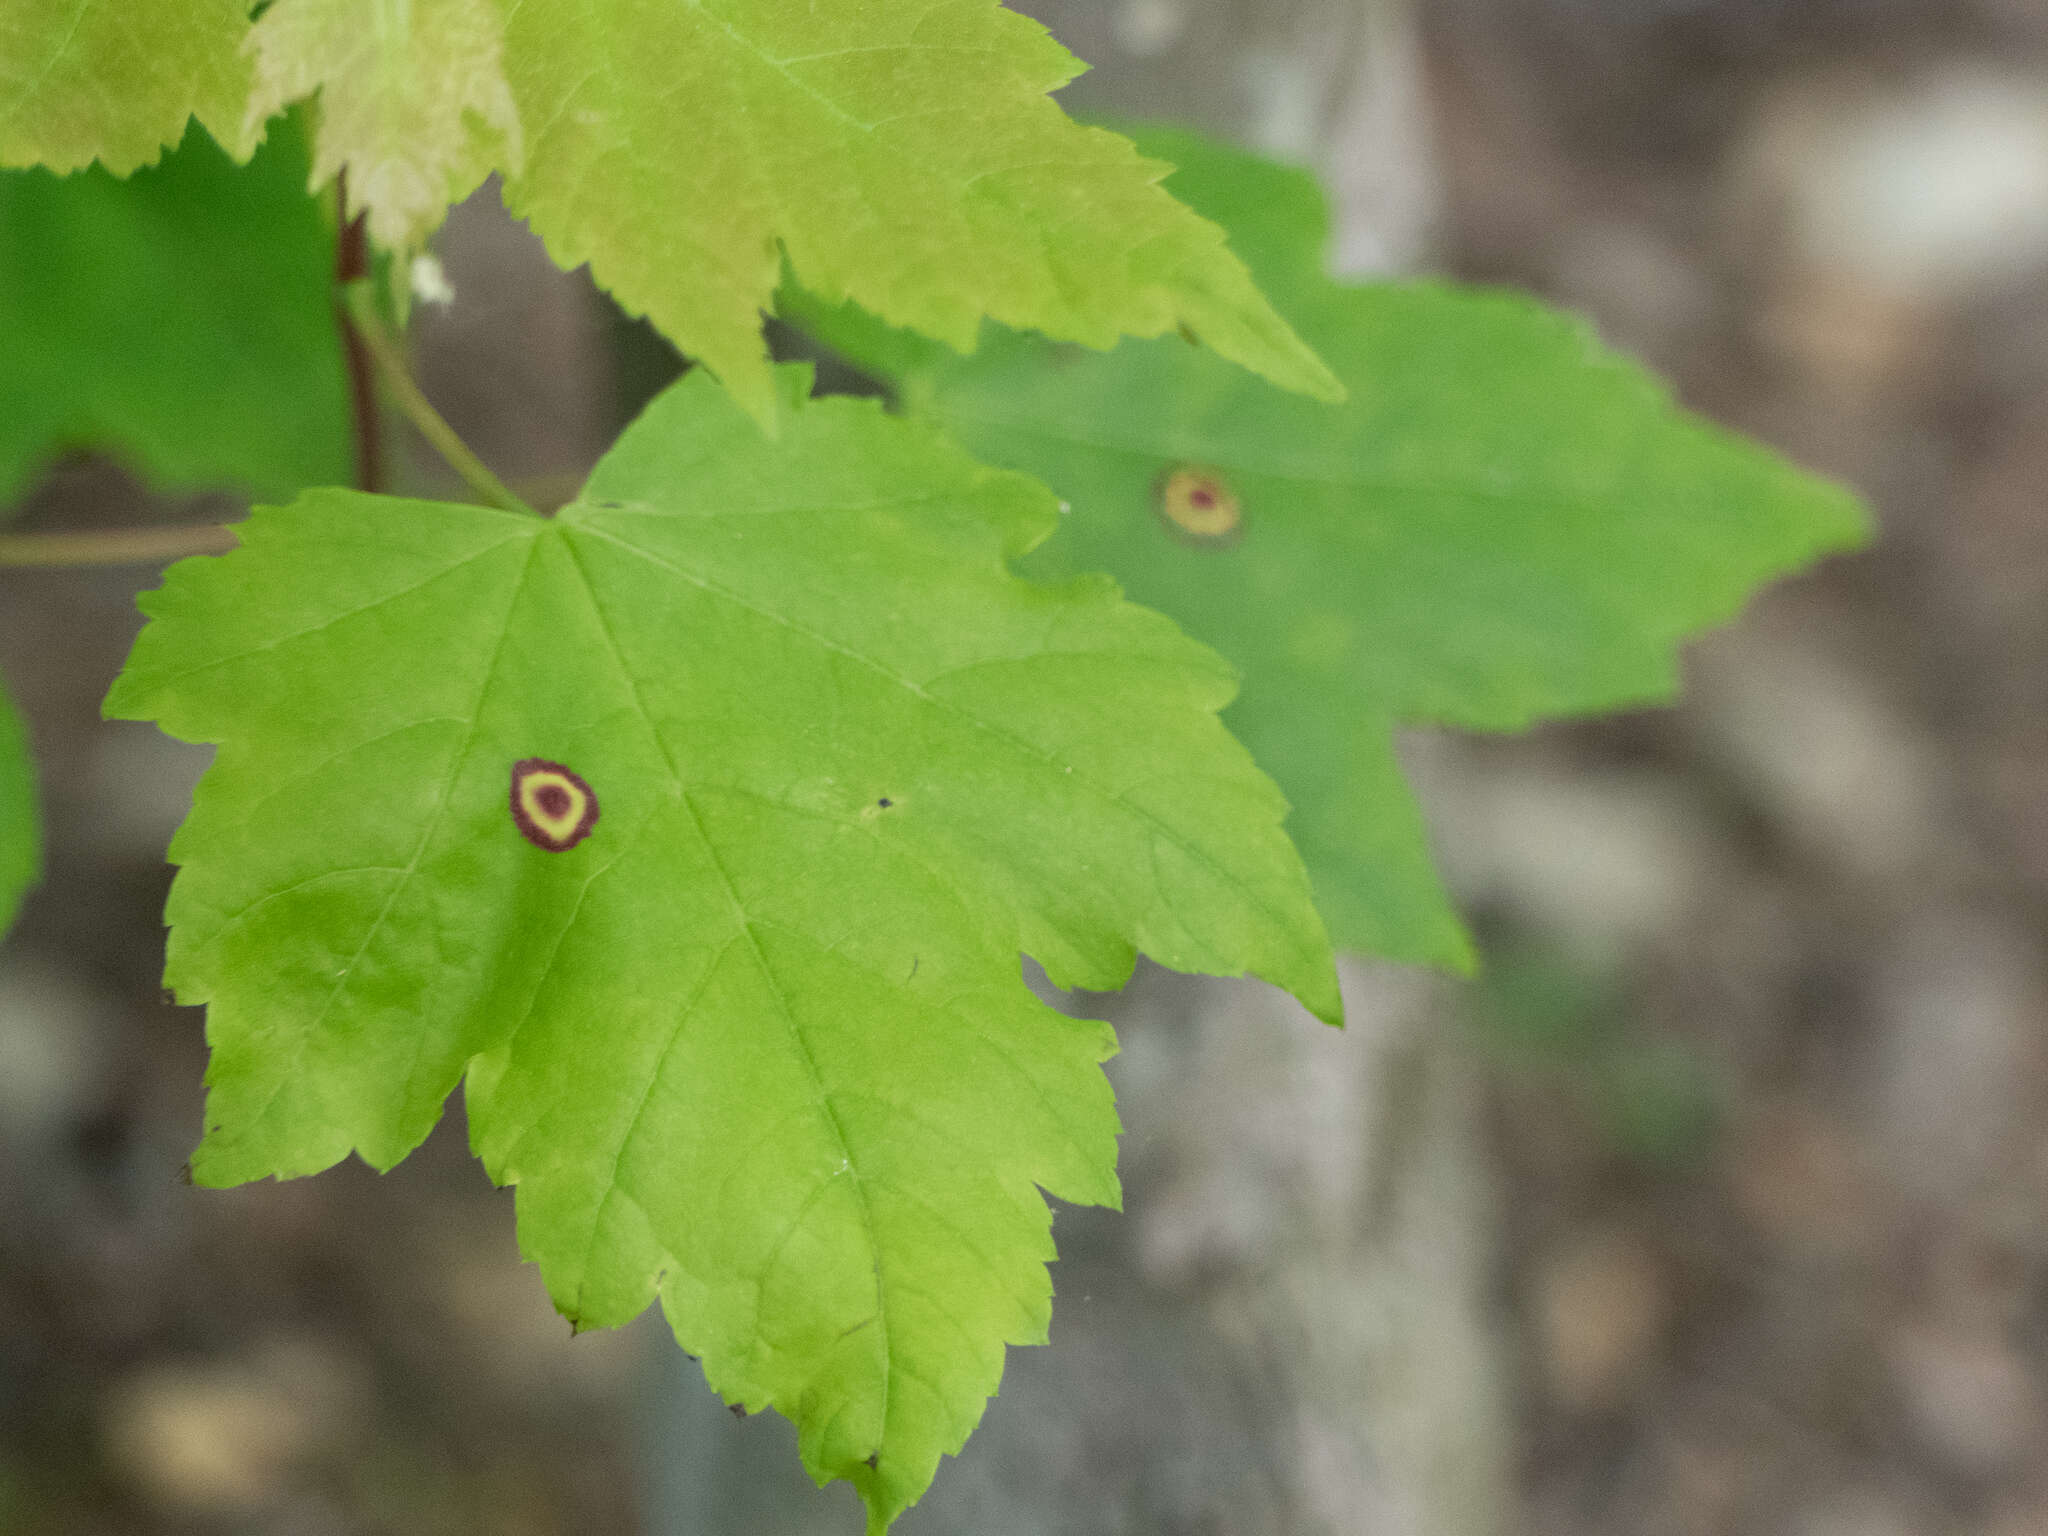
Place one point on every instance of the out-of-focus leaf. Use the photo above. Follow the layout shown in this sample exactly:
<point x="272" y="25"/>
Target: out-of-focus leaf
<point x="21" y="836"/>
<point x="903" y="152"/>
<point x="116" y="80"/>
<point x="181" y="320"/>
<point x="413" y="100"/>
<point x="1504" y="521"/>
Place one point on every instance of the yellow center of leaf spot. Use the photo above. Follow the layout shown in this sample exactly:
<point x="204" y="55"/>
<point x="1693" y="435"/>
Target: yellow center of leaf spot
<point x="1198" y="505"/>
<point x="554" y="802"/>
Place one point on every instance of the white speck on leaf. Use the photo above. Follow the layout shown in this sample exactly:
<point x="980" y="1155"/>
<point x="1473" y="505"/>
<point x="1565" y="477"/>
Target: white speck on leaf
<point x="430" y="283"/>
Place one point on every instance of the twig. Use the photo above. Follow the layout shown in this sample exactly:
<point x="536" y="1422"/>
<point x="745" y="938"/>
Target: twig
<point x="352" y="265"/>
<point x="115" y="546"/>
<point x="362" y="310"/>
<point x="153" y="546"/>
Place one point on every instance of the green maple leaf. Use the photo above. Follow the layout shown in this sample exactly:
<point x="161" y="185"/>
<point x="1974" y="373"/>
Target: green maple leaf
<point x="116" y="80"/>
<point x="1503" y="522"/>
<point x="758" y="1043"/>
<point x="181" y="320"/>
<point x="413" y="100"/>
<point x="21" y="838"/>
<point x="904" y="153"/>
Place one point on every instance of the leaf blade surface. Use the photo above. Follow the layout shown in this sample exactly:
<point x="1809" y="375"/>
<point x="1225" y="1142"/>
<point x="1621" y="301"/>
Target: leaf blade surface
<point x="1503" y="522"/>
<point x="900" y="151"/>
<point x="758" y="1043"/>
<point x="181" y="320"/>
<point x="413" y="101"/>
<point x="116" y="80"/>
<point x="21" y="836"/>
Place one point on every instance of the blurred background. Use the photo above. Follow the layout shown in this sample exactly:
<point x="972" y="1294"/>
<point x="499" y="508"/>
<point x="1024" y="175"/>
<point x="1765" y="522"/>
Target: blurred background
<point x="1718" y="1204"/>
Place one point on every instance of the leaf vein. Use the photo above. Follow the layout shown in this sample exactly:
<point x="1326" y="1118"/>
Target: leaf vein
<point x="746" y="925"/>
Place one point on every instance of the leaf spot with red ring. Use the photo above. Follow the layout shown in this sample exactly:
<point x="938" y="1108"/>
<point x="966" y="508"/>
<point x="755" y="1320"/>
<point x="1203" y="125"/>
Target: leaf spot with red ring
<point x="552" y="806"/>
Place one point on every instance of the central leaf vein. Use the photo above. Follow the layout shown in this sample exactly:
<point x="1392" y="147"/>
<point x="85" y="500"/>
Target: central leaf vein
<point x="746" y="926"/>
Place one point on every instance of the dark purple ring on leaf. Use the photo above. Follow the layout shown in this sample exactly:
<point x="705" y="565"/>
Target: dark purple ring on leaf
<point x="553" y="806"/>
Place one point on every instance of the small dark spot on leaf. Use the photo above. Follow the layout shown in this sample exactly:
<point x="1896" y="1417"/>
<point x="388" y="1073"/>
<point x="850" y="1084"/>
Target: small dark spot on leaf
<point x="915" y="962"/>
<point x="737" y="1410"/>
<point x="885" y="802"/>
<point x="609" y="506"/>
<point x="875" y="1461"/>
<point x="170" y="998"/>
<point x="1187" y="334"/>
<point x="1197" y="506"/>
